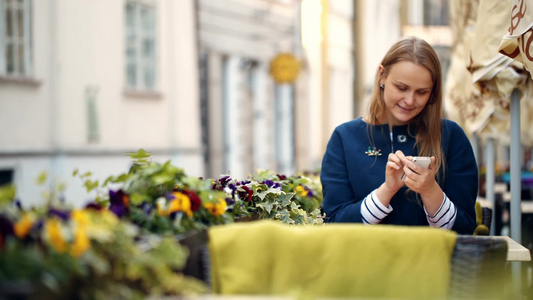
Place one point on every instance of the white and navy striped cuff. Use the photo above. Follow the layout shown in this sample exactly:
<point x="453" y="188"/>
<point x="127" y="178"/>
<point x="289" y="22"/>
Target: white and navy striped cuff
<point x="372" y="210"/>
<point x="445" y="215"/>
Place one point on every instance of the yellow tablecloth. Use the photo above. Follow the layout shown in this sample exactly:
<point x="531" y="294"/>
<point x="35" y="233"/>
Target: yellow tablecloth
<point x="333" y="260"/>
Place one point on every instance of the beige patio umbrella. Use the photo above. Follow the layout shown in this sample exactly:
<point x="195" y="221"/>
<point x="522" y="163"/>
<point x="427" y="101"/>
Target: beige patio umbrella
<point x="483" y="106"/>
<point x="517" y="45"/>
<point x="481" y="79"/>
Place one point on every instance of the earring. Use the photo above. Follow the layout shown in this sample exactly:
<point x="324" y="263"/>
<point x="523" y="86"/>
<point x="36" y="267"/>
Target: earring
<point x="382" y="87"/>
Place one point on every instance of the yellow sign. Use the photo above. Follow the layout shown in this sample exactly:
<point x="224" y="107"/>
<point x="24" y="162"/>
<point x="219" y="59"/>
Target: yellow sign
<point x="284" y="68"/>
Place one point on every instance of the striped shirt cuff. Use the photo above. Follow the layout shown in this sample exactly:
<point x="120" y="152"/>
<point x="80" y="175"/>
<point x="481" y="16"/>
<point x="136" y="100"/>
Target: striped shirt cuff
<point x="445" y="215"/>
<point x="372" y="210"/>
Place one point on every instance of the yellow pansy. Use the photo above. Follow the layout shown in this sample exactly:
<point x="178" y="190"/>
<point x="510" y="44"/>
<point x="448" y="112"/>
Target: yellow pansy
<point x="81" y="217"/>
<point x="218" y="208"/>
<point x="23" y="226"/>
<point x="81" y="243"/>
<point x="55" y="236"/>
<point x="301" y="191"/>
<point x="181" y="202"/>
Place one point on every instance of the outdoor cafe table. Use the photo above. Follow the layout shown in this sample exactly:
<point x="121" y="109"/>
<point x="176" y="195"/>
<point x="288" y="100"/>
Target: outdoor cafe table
<point x="515" y="251"/>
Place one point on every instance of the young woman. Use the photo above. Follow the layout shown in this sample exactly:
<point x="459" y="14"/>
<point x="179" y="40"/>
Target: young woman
<point x="366" y="158"/>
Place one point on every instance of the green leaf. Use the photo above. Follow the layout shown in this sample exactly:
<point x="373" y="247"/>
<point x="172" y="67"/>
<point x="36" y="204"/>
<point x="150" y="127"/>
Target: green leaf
<point x="41" y="178"/>
<point x="294" y="206"/>
<point x="285" y="217"/>
<point x="136" y="199"/>
<point x="285" y="199"/>
<point x="7" y="193"/>
<point x="86" y="174"/>
<point x="140" y="156"/>
<point x="121" y="178"/>
<point x="91" y="185"/>
<point x="267" y="206"/>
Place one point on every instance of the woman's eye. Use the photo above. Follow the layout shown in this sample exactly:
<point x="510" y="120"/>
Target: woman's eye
<point x="402" y="88"/>
<point x="422" y="92"/>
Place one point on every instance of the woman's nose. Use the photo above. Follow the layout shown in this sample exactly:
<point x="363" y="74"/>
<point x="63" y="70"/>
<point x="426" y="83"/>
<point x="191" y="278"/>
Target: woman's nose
<point x="409" y="98"/>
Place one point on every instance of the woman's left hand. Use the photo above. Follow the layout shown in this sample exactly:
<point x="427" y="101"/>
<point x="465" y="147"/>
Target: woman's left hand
<point x="418" y="178"/>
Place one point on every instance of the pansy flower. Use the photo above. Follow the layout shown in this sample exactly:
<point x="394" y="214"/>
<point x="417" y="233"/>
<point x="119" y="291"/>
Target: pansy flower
<point x="301" y="191"/>
<point x="196" y="202"/>
<point x="245" y="193"/>
<point x="221" y="183"/>
<point x="229" y="201"/>
<point x="23" y="226"/>
<point x="231" y="189"/>
<point x="54" y="235"/>
<point x="81" y="242"/>
<point x="119" y="203"/>
<point x="218" y="208"/>
<point x="6" y="229"/>
<point x="178" y="202"/>
<point x="62" y="214"/>
<point x="269" y="183"/>
<point x="94" y="206"/>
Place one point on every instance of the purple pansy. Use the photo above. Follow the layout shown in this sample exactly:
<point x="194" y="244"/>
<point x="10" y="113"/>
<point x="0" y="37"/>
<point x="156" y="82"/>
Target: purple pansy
<point x="119" y="203"/>
<point x="62" y="214"/>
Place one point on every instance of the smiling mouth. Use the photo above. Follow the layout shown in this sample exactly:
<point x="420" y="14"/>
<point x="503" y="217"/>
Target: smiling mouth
<point x="405" y="109"/>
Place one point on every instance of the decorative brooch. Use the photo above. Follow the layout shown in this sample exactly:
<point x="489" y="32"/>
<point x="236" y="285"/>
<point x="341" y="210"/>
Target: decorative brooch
<point x="373" y="152"/>
<point x="402" y="138"/>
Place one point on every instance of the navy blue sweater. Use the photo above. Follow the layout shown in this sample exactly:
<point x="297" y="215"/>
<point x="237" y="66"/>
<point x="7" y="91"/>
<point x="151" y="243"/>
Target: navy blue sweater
<point x="348" y="175"/>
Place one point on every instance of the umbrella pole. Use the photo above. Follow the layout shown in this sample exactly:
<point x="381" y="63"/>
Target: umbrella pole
<point x="515" y="181"/>
<point x="490" y="179"/>
<point x="515" y="167"/>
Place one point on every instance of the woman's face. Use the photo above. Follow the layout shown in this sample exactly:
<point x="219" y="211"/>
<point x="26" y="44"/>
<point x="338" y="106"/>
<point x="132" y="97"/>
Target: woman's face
<point x="407" y="90"/>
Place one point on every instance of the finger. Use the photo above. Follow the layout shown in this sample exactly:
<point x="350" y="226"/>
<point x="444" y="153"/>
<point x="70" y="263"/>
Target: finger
<point x="393" y="165"/>
<point x="414" y="168"/>
<point x="432" y="163"/>
<point x="400" y="155"/>
<point x="408" y="171"/>
<point x="395" y="159"/>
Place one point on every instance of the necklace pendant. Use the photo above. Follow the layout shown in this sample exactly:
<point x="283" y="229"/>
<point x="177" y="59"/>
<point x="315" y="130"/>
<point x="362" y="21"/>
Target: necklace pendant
<point x="372" y="151"/>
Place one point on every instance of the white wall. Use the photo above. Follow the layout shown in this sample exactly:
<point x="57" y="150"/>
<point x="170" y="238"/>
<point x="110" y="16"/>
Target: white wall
<point x="80" y="44"/>
<point x="381" y="28"/>
<point x="24" y="108"/>
<point x="341" y="64"/>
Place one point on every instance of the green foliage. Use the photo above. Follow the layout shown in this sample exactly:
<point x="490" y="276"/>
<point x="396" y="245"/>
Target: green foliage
<point x="118" y="259"/>
<point x="289" y="199"/>
<point x="7" y="194"/>
<point x="124" y="246"/>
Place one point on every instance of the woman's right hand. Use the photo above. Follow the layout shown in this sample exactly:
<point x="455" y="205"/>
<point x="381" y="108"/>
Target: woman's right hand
<point x="394" y="171"/>
<point x="393" y="178"/>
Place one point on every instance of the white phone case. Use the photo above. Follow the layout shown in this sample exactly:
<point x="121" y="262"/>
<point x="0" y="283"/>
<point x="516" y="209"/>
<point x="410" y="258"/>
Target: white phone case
<point x="422" y="161"/>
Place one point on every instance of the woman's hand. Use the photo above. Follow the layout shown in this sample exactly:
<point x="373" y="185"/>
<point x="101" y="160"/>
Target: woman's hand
<point x="393" y="181"/>
<point x="417" y="178"/>
<point x="422" y="181"/>
<point x="394" y="171"/>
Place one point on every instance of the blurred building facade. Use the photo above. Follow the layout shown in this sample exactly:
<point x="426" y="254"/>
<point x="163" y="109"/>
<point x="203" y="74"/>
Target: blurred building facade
<point x="82" y="83"/>
<point x="265" y="124"/>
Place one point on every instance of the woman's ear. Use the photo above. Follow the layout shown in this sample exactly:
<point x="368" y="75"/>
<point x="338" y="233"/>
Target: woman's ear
<point x="381" y="69"/>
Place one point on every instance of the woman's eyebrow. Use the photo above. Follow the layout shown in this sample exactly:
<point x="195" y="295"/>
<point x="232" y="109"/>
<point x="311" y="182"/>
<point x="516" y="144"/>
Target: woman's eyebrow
<point x="405" y="84"/>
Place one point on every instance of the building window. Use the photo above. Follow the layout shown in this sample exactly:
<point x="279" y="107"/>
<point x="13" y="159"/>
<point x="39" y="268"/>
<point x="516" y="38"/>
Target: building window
<point x="141" y="59"/>
<point x="15" y="38"/>
<point x="6" y="176"/>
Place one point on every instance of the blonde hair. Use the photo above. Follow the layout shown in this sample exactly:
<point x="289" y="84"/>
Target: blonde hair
<point x="428" y="122"/>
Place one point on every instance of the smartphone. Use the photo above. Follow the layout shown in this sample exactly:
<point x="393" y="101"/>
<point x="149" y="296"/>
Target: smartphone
<point x="422" y="161"/>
